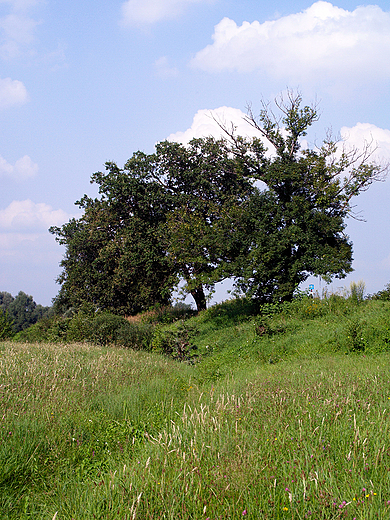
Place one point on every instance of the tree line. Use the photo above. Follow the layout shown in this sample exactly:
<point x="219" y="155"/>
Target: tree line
<point x="264" y="212"/>
<point x="19" y="312"/>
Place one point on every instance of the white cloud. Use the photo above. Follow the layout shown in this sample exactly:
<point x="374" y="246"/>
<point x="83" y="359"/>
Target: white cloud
<point x="368" y="134"/>
<point x="151" y="11"/>
<point x="10" y="241"/>
<point x="205" y="124"/>
<point x="24" y="215"/>
<point x="17" y="28"/>
<point x="23" y="168"/>
<point x="12" y="92"/>
<point x="164" y="70"/>
<point x="322" y="42"/>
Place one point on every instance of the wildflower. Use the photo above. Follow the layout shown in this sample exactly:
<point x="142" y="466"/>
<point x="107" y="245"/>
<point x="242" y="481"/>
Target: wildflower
<point x="245" y="512"/>
<point x="285" y="509"/>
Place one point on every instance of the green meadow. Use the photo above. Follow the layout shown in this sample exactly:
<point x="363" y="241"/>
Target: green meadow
<point x="277" y="413"/>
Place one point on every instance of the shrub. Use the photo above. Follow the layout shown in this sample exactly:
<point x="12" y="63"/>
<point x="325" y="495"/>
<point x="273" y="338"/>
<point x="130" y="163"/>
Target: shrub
<point x="137" y="336"/>
<point x="102" y="328"/>
<point x="231" y="311"/>
<point x="356" y="335"/>
<point x="169" y="314"/>
<point x="176" y="343"/>
<point x="383" y="295"/>
<point x="52" y="329"/>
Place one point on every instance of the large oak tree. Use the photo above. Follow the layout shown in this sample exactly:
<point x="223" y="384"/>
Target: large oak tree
<point x="214" y="209"/>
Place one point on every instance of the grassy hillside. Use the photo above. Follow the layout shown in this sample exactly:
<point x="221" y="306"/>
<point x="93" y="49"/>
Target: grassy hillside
<point x="282" y="414"/>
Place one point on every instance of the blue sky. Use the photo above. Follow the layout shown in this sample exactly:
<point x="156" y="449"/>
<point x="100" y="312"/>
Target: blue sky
<point x="82" y="83"/>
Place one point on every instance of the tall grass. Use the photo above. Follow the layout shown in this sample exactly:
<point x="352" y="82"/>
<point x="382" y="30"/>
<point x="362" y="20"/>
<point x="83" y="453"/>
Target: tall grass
<point x="285" y="415"/>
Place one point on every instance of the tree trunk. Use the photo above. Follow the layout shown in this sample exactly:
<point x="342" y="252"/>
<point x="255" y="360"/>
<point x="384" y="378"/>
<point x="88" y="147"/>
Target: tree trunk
<point x="200" y="298"/>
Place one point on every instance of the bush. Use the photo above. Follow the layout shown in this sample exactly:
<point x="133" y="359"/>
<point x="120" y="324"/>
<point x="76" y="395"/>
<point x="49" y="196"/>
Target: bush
<point x="176" y="343"/>
<point x="52" y="330"/>
<point x="356" y="335"/>
<point x="383" y="295"/>
<point x="166" y="314"/>
<point x="102" y="328"/>
<point x="357" y="290"/>
<point x="231" y="311"/>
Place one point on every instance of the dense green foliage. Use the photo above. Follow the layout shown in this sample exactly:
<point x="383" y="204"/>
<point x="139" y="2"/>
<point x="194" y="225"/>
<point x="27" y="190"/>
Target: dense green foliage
<point x="115" y="253"/>
<point x="164" y="217"/>
<point x="104" y="328"/>
<point x="22" y="310"/>
<point x="383" y="295"/>
<point x="101" y="328"/>
<point x="198" y="214"/>
<point x="284" y="415"/>
<point x="6" y="329"/>
<point x="296" y="227"/>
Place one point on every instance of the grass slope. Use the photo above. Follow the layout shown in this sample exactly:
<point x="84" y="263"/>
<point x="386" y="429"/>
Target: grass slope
<point x="284" y="415"/>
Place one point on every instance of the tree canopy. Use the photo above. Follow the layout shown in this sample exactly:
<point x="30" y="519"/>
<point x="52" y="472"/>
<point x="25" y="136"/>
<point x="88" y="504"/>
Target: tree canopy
<point x="163" y="218"/>
<point x="115" y="253"/>
<point x="216" y="209"/>
<point x="296" y="225"/>
<point x="20" y="312"/>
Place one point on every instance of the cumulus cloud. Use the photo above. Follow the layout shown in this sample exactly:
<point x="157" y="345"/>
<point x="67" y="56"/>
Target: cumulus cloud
<point x="26" y="216"/>
<point x="12" y="92"/>
<point x="323" y="41"/>
<point x="151" y="11"/>
<point x="363" y="134"/>
<point x="17" y="28"/>
<point x="23" y="168"/>
<point x="205" y="124"/>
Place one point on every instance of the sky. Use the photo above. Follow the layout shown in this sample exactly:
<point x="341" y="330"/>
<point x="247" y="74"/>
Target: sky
<point x="82" y="83"/>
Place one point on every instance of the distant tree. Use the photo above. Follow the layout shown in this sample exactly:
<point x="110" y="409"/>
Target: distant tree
<point x="22" y="310"/>
<point x="5" y="300"/>
<point x="383" y="295"/>
<point x="6" y="325"/>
